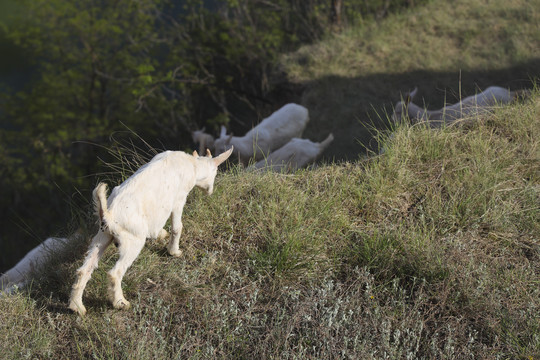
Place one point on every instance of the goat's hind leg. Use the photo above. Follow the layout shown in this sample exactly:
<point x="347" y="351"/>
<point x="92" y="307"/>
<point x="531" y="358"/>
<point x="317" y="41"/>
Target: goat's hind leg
<point x="100" y="242"/>
<point x="129" y="248"/>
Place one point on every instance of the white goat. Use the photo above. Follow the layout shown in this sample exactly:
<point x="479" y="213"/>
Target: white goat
<point x="294" y="155"/>
<point x="33" y="261"/>
<point x="470" y="106"/>
<point x="271" y="134"/>
<point x="138" y="209"/>
<point x="204" y="140"/>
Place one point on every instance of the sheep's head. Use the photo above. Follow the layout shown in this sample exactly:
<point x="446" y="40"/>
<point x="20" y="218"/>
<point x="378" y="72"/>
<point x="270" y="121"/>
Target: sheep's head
<point x="207" y="169"/>
<point x="401" y="108"/>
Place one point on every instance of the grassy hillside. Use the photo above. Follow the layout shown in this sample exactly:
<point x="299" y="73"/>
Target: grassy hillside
<point x="429" y="251"/>
<point x="446" y="48"/>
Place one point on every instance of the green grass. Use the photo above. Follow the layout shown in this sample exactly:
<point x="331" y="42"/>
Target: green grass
<point x="428" y="251"/>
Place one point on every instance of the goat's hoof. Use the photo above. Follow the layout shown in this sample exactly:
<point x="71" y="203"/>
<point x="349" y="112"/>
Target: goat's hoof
<point x="176" y="253"/>
<point x="78" y="308"/>
<point x="121" y="304"/>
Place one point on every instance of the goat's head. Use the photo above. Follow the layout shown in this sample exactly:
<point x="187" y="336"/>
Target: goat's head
<point x="197" y="135"/>
<point x="205" y="140"/>
<point x="401" y="108"/>
<point x="223" y="142"/>
<point x="207" y="169"/>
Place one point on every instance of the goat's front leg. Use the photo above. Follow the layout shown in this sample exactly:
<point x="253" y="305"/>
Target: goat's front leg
<point x="176" y="230"/>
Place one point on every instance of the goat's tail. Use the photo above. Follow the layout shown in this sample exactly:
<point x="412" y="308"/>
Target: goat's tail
<point x="100" y="204"/>
<point x="327" y="141"/>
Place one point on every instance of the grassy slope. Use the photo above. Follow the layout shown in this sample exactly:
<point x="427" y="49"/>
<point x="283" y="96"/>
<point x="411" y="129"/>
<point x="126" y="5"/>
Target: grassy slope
<point x="429" y="251"/>
<point x="444" y="48"/>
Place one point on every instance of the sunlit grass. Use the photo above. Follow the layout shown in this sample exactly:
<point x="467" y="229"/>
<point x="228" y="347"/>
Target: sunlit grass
<point x="430" y="250"/>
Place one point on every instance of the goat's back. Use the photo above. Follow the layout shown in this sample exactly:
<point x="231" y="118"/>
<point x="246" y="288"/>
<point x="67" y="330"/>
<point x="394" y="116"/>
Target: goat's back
<point x="142" y="204"/>
<point x="284" y="124"/>
<point x="294" y="155"/>
<point x="32" y="261"/>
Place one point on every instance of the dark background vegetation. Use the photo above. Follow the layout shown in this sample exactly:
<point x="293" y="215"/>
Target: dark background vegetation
<point x="78" y="76"/>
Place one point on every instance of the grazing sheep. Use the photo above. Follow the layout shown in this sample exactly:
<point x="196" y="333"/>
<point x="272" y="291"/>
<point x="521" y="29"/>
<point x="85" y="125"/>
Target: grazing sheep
<point x="472" y="105"/>
<point x="18" y="276"/>
<point x="204" y="140"/>
<point x="271" y="134"/>
<point x="294" y="155"/>
<point x="138" y="209"/>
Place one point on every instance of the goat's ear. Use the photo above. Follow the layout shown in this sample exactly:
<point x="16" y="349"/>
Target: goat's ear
<point x="208" y="153"/>
<point x="411" y="95"/>
<point x="223" y="132"/>
<point x="195" y="153"/>
<point x="222" y="157"/>
<point x="203" y="129"/>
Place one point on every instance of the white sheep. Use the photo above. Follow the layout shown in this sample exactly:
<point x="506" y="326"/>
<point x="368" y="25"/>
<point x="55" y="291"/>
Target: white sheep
<point x="294" y="155"/>
<point x="138" y="209"/>
<point x="33" y="261"/>
<point x="269" y="135"/>
<point x="470" y="106"/>
<point x="204" y="140"/>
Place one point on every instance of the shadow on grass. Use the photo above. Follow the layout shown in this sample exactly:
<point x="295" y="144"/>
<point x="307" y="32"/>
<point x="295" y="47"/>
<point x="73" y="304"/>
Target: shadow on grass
<point x="353" y="109"/>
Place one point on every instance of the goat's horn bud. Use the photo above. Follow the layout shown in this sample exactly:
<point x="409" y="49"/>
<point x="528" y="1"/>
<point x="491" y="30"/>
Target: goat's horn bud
<point x="195" y="153"/>
<point x="208" y="153"/>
